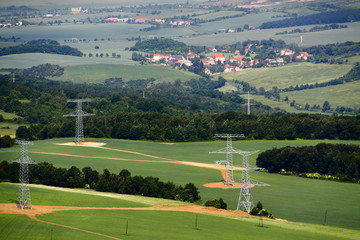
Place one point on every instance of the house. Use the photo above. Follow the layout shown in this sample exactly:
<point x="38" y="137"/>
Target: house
<point x="303" y="56"/>
<point x="219" y="58"/>
<point x="286" y="52"/>
<point x="207" y="71"/>
<point x="207" y="61"/>
<point x="229" y="68"/>
<point x="237" y="58"/>
<point x="76" y="10"/>
<point x="140" y="20"/>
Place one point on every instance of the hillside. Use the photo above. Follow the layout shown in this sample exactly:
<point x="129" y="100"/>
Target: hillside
<point x="123" y="217"/>
<point x="296" y="205"/>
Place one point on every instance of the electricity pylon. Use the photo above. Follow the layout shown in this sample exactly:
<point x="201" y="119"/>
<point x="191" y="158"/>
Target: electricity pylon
<point x="248" y="104"/>
<point x="79" y="114"/>
<point x="245" y="202"/>
<point x="229" y="151"/>
<point x="24" y="199"/>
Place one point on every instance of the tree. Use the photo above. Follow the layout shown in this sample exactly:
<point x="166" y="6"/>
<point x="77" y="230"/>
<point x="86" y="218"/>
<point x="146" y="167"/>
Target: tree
<point x="326" y="106"/>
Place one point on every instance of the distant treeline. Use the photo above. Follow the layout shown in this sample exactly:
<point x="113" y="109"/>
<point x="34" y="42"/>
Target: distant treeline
<point x="182" y="128"/>
<point x="338" y="16"/>
<point x="162" y="45"/>
<point x="45" y="173"/>
<point x="40" y="46"/>
<point x="341" y="161"/>
<point x="313" y="29"/>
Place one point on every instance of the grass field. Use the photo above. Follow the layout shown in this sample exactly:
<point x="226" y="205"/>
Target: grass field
<point x="352" y="33"/>
<point x="347" y="95"/>
<point x="289" y="75"/>
<point x="292" y="198"/>
<point x="99" y="72"/>
<point x="141" y="224"/>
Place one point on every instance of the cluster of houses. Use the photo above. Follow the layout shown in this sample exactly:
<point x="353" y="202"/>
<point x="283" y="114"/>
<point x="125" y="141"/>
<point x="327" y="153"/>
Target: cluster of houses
<point x="11" y="24"/>
<point x="158" y="21"/>
<point x="232" y="63"/>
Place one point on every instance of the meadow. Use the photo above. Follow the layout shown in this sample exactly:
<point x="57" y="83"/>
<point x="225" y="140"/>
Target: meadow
<point x="97" y="73"/>
<point x="140" y="224"/>
<point x="288" y="197"/>
<point x="289" y="75"/>
<point x="347" y="95"/>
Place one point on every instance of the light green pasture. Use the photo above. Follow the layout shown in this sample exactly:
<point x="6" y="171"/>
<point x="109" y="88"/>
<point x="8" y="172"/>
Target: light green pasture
<point x="181" y="225"/>
<point x="347" y="95"/>
<point x="289" y="75"/>
<point x="99" y="72"/>
<point x="292" y="198"/>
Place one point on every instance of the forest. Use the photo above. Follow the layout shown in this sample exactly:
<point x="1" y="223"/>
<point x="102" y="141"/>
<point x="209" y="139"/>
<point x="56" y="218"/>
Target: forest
<point x="170" y="112"/>
<point x="41" y="46"/>
<point x="340" y="161"/>
<point x="45" y="173"/>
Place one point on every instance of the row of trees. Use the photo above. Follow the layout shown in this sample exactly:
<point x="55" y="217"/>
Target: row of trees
<point x="45" y="173"/>
<point x="339" y="160"/>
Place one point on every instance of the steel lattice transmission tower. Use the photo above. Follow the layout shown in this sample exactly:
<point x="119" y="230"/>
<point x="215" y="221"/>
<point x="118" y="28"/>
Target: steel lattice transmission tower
<point x="248" y="104"/>
<point x="245" y="202"/>
<point x="24" y="199"/>
<point x="79" y="114"/>
<point x="229" y="151"/>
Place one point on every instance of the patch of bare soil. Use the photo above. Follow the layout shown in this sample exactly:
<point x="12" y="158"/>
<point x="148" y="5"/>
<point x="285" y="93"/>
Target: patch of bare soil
<point x="83" y="144"/>
<point x="222" y="185"/>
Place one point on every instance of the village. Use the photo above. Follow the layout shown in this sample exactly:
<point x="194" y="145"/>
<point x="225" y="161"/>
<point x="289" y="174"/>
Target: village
<point x="216" y="62"/>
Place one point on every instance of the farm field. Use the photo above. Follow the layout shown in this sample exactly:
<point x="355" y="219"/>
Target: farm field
<point x="289" y="75"/>
<point x="27" y="60"/>
<point x="107" y="222"/>
<point x="291" y="198"/>
<point x="352" y="33"/>
<point x="347" y="95"/>
<point x="99" y="72"/>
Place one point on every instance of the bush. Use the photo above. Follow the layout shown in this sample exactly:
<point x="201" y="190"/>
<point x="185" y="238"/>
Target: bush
<point x="221" y="204"/>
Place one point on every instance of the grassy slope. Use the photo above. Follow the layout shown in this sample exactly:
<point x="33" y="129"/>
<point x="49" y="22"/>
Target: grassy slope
<point x="98" y="73"/>
<point x="292" y="198"/>
<point x="168" y="225"/>
<point x="341" y="95"/>
<point x="291" y="74"/>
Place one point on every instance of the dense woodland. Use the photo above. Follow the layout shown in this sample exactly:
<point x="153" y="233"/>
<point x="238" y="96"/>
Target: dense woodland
<point x="45" y="173"/>
<point x="169" y="112"/>
<point x="41" y="46"/>
<point x="341" y="161"/>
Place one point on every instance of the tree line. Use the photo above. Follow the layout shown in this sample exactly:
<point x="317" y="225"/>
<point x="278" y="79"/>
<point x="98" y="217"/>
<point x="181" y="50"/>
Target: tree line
<point x="40" y="46"/>
<point x="342" y="161"/>
<point x="182" y="128"/>
<point x="123" y="183"/>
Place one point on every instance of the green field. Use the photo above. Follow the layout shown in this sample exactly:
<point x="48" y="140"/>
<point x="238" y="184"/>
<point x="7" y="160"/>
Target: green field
<point x="352" y="33"/>
<point x="99" y="72"/>
<point x="141" y="224"/>
<point x="347" y="95"/>
<point x="289" y="75"/>
<point x="291" y="198"/>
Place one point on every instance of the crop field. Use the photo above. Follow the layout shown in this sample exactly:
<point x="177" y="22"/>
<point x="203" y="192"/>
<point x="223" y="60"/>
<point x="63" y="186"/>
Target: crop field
<point x="28" y="60"/>
<point x="352" y="33"/>
<point x="117" y="218"/>
<point x="288" y="197"/>
<point x="289" y="75"/>
<point x="99" y="72"/>
<point x="219" y="14"/>
<point x="347" y="95"/>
